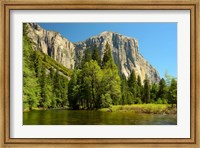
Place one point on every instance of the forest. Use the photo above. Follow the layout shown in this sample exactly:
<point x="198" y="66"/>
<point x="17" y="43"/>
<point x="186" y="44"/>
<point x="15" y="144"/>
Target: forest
<point x="92" y="85"/>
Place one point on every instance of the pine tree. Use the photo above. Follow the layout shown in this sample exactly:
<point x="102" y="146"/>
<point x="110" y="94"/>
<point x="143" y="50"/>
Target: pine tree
<point x="111" y="81"/>
<point x="146" y="91"/>
<point x="126" y="94"/>
<point x="74" y="90"/>
<point x="132" y="83"/>
<point x="107" y="55"/>
<point x="154" y="92"/>
<point x="162" y="92"/>
<point x="139" y="90"/>
<point x="87" y="56"/>
<point x="44" y="102"/>
<point x="172" y="94"/>
<point x="64" y="91"/>
<point x="95" y="55"/>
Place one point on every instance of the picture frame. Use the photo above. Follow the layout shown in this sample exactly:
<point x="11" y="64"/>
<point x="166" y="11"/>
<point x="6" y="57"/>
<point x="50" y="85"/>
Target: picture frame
<point x="192" y="6"/>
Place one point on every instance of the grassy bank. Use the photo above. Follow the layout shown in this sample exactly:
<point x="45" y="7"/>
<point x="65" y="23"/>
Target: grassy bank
<point x="136" y="108"/>
<point x="143" y="108"/>
<point x="36" y="108"/>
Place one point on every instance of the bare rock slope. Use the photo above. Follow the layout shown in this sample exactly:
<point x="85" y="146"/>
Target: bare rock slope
<point x="125" y="50"/>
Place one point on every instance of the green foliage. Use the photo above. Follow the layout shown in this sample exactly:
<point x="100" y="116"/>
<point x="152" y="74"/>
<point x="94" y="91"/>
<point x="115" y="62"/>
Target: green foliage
<point x="41" y="85"/>
<point x="106" y="101"/>
<point x="143" y="108"/>
<point x="154" y="92"/>
<point x="31" y="90"/>
<point x="49" y="63"/>
<point x="138" y="101"/>
<point x="159" y="101"/>
<point x="93" y="87"/>
<point x="73" y="90"/>
<point x="172" y="94"/>
<point x="87" y="56"/>
<point x="107" y="55"/>
<point x="139" y="89"/>
<point x="95" y="55"/>
<point x="30" y="96"/>
<point x="111" y="84"/>
<point x="162" y="92"/>
<point x="126" y="98"/>
<point x="132" y="83"/>
<point x="92" y="76"/>
<point x="146" y="91"/>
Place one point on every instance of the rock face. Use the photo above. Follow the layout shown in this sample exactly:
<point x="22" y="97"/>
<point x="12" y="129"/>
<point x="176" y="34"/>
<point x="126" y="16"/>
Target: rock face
<point x="125" y="50"/>
<point x="53" y="44"/>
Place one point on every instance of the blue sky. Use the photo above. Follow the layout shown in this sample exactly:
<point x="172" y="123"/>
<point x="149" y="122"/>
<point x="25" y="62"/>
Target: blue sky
<point x="157" y="41"/>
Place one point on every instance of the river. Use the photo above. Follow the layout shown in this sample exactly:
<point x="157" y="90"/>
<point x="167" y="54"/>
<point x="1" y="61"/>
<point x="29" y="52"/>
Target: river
<point x="83" y="117"/>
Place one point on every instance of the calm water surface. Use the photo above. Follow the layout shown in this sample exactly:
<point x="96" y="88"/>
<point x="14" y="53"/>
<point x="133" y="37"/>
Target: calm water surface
<point x="81" y="117"/>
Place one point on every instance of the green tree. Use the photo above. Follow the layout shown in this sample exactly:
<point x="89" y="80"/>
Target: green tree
<point x="172" y="94"/>
<point x="111" y="81"/>
<point x="45" y="89"/>
<point x="37" y="61"/>
<point x="51" y="78"/>
<point x="106" y="101"/>
<point x="87" y="56"/>
<point x="92" y="77"/>
<point x="132" y="83"/>
<point x="95" y="55"/>
<point x="139" y="87"/>
<point x="124" y="91"/>
<point x="58" y="89"/>
<point x="107" y="55"/>
<point x="162" y="92"/>
<point x="146" y="91"/>
<point x="64" y="91"/>
<point x="154" y="92"/>
<point x="74" y="90"/>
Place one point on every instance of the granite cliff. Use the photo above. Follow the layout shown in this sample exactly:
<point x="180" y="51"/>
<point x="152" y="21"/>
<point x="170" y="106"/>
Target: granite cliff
<point x="125" y="50"/>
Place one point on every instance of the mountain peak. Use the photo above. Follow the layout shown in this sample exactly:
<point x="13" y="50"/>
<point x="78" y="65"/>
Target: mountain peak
<point x="125" y="50"/>
<point x="106" y="32"/>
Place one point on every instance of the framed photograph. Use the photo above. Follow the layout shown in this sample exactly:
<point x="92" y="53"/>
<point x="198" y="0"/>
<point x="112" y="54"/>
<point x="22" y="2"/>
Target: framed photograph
<point x="99" y="73"/>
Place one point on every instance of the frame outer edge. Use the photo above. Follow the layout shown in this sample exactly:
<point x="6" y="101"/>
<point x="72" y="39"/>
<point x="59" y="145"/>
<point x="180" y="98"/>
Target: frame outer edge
<point x="2" y="75"/>
<point x="97" y="2"/>
<point x="198" y="75"/>
<point x="5" y="62"/>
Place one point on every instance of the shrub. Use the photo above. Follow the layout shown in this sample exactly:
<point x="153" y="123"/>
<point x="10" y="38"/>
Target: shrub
<point x="159" y="101"/>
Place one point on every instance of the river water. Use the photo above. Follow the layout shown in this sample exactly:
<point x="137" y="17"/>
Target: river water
<point x="83" y="117"/>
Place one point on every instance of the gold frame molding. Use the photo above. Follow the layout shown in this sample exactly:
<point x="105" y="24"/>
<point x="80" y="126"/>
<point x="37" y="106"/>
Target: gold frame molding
<point x="7" y="5"/>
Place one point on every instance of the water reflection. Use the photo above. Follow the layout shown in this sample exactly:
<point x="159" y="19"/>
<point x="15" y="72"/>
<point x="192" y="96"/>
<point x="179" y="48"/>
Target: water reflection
<point x="73" y="117"/>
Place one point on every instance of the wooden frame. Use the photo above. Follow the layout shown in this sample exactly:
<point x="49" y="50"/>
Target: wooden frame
<point x="7" y="5"/>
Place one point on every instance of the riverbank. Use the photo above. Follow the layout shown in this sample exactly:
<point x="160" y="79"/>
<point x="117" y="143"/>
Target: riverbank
<point x="143" y="108"/>
<point x="36" y="108"/>
<point x="135" y="108"/>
